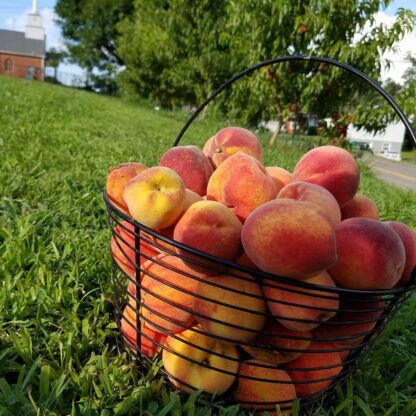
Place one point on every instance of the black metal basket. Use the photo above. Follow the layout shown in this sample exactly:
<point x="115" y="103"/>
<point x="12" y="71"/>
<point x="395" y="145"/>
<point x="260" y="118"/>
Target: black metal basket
<point x="313" y="350"/>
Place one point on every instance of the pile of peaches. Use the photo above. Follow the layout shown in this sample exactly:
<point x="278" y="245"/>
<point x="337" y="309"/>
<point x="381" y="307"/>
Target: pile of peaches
<point x="269" y="323"/>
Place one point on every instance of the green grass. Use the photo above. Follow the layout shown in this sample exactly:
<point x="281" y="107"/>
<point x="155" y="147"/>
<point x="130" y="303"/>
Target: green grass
<point x="409" y="156"/>
<point x="60" y="351"/>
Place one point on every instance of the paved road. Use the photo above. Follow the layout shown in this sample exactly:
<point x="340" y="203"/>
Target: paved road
<point x="400" y="174"/>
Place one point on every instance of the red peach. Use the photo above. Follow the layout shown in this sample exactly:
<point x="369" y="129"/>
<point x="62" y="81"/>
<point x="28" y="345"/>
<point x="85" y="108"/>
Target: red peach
<point x="280" y="176"/>
<point x="360" y="206"/>
<point x="314" y="305"/>
<point x="408" y="238"/>
<point x="313" y="365"/>
<point x="304" y="191"/>
<point x="242" y="184"/>
<point x="257" y="384"/>
<point x="231" y="140"/>
<point x="290" y="238"/>
<point x="331" y="167"/>
<point x="371" y="255"/>
<point x="191" y="165"/>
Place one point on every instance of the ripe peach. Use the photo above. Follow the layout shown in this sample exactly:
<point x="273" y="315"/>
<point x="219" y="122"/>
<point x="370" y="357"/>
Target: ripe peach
<point x="191" y="165"/>
<point x="124" y="251"/>
<point x="312" y="366"/>
<point x="360" y="206"/>
<point x="210" y="227"/>
<point x="276" y="344"/>
<point x="242" y="184"/>
<point x="290" y="238"/>
<point x="231" y="140"/>
<point x="371" y="255"/>
<point x="304" y="191"/>
<point x="244" y="260"/>
<point x="258" y="384"/>
<point x="408" y="238"/>
<point x="314" y="305"/>
<point x="280" y="176"/>
<point x="331" y="167"/>
<point x="155" y="197"/>
<point x="149" y="339"/>
<point x="354" y="318"/>
<point x="210" y="372"/>
<point x="174" y="282"/>
<point x="117" y="178"/>
<point x="220" y="303"/>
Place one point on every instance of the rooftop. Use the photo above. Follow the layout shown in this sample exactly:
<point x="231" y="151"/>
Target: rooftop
<point x="16" y="43"/>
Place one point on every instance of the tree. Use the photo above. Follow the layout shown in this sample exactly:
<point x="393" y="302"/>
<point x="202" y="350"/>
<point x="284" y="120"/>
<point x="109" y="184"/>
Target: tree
<point x="54" y="57"/>
<point x="90" y="30"/>
<point x="175" y="50"/>
<point x="344" y="30"/>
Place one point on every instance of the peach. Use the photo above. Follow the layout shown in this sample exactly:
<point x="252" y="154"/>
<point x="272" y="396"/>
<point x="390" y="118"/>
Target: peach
<point x="314" y="305"/>
<point x="244" y="260"/>
<point x="290" y="238"/>
<point x="155" y="197"/>
<point x="371" y="255"/>
<point x="160" y="245"/>
<point x="276" y="344"/>
<point x="304" y="191"/>
<point x="210" y="227"/>
<point x="167" y="293"/>
<point x="117" y="178"/>
<point x="408" y="238"/>
<point x="313" y="365"/>
<point x="331" y="167"/>
<point x="149" y="340"/>
<point x="231" y="140"/>
<point x="360" y="206"/>
<point x="215" y="307"/>
<point x="353" y="322"/>
<point x="191" y="165"/>
<point x="242" y="184"/>
<point x="257" y="384"/>
<point x="214" y="366"/>
<point x="124" y="251"/>
<point x="280" y="176"/>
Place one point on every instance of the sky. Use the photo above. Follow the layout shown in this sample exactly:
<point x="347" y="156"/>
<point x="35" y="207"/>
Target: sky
<point x="13" y="15"/>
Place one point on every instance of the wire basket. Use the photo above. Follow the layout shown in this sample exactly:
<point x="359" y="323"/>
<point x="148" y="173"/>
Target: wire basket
<point x="165" y="291"/>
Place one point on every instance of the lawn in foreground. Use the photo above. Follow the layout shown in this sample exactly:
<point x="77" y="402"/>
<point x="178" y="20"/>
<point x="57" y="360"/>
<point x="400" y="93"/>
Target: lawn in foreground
<point x="60" y="351"/>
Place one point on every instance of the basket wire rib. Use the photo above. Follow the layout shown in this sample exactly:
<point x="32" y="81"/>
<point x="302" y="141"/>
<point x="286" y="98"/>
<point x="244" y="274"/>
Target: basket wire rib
<point x="129" y="237"/>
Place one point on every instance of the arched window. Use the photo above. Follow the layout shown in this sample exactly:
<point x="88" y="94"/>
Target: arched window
<point x="8" y="65"/>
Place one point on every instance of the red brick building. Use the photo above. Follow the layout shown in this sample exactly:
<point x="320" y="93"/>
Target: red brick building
<point x="22" y="54"/>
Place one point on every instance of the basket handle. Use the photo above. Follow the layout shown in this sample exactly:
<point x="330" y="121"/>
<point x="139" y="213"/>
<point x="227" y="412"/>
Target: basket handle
<point x="330" y="61"/>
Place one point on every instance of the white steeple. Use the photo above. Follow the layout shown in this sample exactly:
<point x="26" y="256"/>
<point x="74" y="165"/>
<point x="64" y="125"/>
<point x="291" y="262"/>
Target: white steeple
<point x="34" y="27"/>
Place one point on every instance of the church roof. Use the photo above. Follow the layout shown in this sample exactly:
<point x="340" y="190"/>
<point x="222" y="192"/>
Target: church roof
<point x="16" y="43"/>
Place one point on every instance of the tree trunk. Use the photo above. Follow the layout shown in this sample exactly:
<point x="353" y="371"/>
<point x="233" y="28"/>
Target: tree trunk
<point x="276" y="132"/>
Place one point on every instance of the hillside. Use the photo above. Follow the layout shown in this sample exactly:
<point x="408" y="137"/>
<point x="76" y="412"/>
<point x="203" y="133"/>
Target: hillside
<point x="60" y="352"/>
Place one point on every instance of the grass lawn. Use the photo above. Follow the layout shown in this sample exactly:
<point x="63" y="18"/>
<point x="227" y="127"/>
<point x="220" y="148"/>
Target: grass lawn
<point x="60" y="352"/>
<point x="409" y="156"/>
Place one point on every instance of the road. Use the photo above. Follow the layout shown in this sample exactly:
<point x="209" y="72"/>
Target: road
<point x="400" y="174"/>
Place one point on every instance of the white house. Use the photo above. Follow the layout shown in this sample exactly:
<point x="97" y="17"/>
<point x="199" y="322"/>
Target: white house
<point x="387" y="144"/>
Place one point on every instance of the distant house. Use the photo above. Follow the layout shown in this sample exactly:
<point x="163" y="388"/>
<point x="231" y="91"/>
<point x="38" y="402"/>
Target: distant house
<point x="22" y="54"/>
<point x="387" y="144"/>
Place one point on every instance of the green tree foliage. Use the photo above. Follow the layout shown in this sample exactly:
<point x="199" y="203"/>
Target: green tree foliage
<point x="90" y="30"/>
<point x="176" y="51"/>
<point x="342" y="29"/>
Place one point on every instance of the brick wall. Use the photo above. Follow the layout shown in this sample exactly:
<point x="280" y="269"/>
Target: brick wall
<point x="19" y="66"/>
